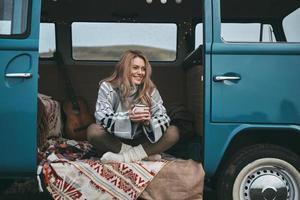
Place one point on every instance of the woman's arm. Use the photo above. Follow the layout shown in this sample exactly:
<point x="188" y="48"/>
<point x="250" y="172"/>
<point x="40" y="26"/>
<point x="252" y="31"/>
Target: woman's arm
<point x="159" y="121"/>
<point x="117" y="123"/>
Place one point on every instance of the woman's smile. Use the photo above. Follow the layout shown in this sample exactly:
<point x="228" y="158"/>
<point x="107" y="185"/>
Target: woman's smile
<point x="137" y="71"/>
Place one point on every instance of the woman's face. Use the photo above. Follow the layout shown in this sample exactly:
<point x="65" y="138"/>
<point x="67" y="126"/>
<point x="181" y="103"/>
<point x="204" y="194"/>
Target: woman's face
<point x="137" y="71"/>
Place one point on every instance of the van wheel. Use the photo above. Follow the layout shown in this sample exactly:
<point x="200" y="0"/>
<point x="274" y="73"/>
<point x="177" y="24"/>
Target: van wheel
<point x="262" y="171"/>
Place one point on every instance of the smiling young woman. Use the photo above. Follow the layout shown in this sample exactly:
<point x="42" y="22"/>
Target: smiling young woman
<point x="123" y="131"/>
<point x="137" y="71"/>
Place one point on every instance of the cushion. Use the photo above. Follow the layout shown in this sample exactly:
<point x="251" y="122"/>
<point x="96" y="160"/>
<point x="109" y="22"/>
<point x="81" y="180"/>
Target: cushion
<point x="53" y="115"/>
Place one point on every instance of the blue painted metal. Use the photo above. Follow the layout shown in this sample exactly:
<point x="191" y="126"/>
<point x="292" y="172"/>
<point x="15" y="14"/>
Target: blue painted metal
<point x="18" y="100"/>
<point x="207" y="45"/>
<point x="267" y="96"/>
<point x="221" y="134"/>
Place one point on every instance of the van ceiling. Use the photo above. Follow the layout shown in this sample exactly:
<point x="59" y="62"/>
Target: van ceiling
<point x="141" y="11"/>
<point x="119" y="10"/>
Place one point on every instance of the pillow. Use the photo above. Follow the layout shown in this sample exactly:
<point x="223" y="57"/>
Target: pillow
<point x="42" y="124"/>
<point x="53" y="115"/>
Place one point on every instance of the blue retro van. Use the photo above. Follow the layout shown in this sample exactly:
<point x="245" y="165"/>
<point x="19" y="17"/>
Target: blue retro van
<point x="233" y="64"/>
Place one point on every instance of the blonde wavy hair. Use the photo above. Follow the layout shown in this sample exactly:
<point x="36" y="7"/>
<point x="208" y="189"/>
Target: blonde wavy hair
<point x="120" y="79"/>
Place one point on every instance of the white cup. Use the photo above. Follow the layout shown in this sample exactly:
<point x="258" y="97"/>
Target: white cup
<point x="137" y="108"/>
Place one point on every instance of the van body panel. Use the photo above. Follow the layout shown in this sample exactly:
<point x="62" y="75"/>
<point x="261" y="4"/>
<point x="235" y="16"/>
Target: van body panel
<point x="218" y="144"/>
<point x="207" y="45"/>
<point x="18" y="102"/>
<point x="259" y="96"/>
<point x="214" y="145"/>
<point x="251" y="48"/>
<point x="268" y="91"/>
<point x="266" y="95"/>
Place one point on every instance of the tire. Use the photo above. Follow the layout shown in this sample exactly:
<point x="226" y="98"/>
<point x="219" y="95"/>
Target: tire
<point x="261" y="171"/>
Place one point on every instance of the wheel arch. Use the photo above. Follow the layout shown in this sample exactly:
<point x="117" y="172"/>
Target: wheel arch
<point x="288" y="138"/>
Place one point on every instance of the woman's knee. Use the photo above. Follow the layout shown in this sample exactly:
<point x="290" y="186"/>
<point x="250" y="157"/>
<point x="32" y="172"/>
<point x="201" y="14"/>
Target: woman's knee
<point x="172" y="134"/>
<point x="94" y="131"/>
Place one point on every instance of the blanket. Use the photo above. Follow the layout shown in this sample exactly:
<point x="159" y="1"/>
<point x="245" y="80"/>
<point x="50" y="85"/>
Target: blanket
<point x="71" y="172"/>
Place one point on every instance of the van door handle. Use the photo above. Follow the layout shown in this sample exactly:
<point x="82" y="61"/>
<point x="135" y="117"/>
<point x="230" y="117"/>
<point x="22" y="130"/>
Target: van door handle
<point x="224" y="78"/>
<point x="18" y="75"/>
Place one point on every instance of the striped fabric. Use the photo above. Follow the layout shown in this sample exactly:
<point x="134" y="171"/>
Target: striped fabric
<point x="113" y="115"/>
<point x="90" y="179"/>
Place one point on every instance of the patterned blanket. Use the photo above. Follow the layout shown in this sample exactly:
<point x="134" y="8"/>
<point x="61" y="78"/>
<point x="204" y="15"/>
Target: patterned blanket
<point x="71" y="171"/>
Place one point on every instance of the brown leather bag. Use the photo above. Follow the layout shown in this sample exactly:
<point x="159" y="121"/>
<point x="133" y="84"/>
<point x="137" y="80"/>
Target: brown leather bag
<point x="178" y="180"/>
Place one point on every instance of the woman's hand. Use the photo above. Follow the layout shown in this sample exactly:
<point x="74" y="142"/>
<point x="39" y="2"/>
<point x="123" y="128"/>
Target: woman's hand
<point x="143" y="116"/>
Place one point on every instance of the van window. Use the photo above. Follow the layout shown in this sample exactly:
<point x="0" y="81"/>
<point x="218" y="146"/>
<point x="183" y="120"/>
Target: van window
<point x="260" y="25"/>
<point x="13" y="17"/>
<point x="238" y="32"/>
<point x="247" y="32"/>
<point x="291" y="31"/>
<point x="47" y="45"/>
<point x="106" y="41"/>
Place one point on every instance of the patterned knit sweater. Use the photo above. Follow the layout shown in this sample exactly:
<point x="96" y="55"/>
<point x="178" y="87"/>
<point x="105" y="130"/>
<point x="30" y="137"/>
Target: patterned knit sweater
<point x="113" y="115"/>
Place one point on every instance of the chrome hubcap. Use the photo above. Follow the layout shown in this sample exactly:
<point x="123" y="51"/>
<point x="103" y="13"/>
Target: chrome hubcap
<point x="268" y="184"/>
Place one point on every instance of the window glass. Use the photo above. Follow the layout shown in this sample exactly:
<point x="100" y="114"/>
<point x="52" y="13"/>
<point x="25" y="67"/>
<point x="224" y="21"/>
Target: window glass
<point x="106" y="41"/>
<point x="268" y="33"/>
<point x="13" y="16"/>
<point x="198" y="35"/>
<point x="247" y="32"/>
<point x="47" y="45"/>
<point x="237" y="32"/>
<point x="291" y="31"/>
